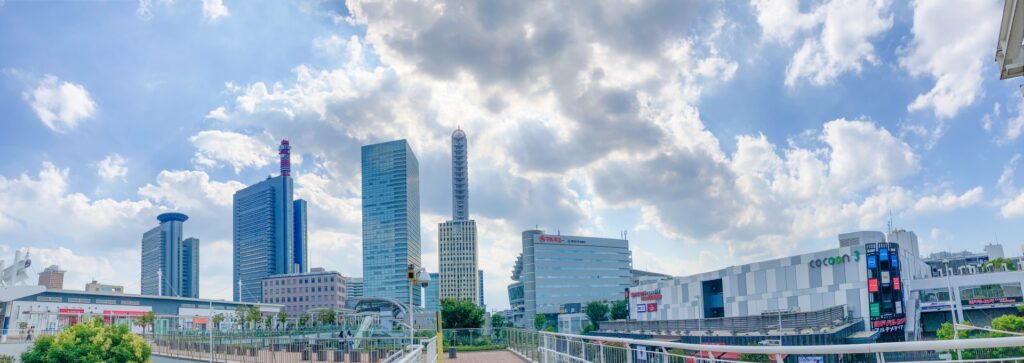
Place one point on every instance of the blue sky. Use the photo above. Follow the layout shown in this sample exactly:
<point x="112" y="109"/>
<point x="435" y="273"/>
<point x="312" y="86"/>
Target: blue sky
<point x="715" y="133"/>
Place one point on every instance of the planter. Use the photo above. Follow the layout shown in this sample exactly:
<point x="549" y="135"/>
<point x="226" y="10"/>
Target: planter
<point x="305" y="355"/>
<point x="339" y="356"/>
<point x="321" y="355"/>
<point x="354" y="356"/>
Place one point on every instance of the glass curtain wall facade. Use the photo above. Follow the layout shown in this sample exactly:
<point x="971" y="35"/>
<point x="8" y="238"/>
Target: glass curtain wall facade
<point x="391" y="219"/>
<point x="161" y="270"/>
<point x="301" y="253"/>
<point x="263" y="236"/>
<point x="190" y="267"/>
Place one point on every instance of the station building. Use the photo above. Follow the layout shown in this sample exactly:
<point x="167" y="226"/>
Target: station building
<point x="48" y="310"/>
<point x="873" y="287"/>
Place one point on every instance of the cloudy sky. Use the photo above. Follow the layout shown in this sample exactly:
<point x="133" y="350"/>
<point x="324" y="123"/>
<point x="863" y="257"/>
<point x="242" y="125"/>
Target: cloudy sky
<point x="715" y="133"/>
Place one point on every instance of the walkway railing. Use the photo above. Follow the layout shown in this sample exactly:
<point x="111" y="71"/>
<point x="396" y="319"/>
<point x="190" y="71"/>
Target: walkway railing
<point x="283" y="348"/>
<point x="548" y="347"/>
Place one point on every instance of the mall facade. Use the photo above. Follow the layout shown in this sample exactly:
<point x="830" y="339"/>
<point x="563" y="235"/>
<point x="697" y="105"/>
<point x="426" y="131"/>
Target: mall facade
<point x="873" y="287"/>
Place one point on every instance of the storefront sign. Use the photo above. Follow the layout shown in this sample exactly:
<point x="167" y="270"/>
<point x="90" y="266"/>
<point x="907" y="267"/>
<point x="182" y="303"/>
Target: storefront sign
<point x="834" y="260"/>
<point x="882" y="323"/>
<point x="652" y="307"/>
<point x="875" y="311"/>
<point x="1002" y="300"/>
<point x="647" y="295"/>
<point x="71" y="311"/>
<point x="641" y="308"/>
<point x="873" y="285"/>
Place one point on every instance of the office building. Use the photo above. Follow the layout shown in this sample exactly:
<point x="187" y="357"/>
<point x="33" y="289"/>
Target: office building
<point x="482" y="288"/>
<point x="640" y="277"/>
<point x="457" y="238"/>
<point x="864" y="291"/>
<point x="264" y="231"/>
<point x="300" y="293"/>
<point x="391" y="219"/>
<point x="52" y="277"/>
<point x="963" y="262"/>
<point x="994" y="251"/>
<point x="354" y="287"/>
<point x="516" y="295"/>
<point x="301" y="253"/>
<point x="163" y="269"/>
<point x="95" y="286"/>
<point x="55" y="310"/>
<point x="190" y="267"/>
<point x="565" y="270"/>
<point x="432" y="297"/>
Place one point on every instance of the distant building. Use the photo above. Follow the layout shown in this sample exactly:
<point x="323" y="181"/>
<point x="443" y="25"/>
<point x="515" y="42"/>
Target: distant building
<point x="301" y="253"/>
<point x="164" y="270"/>
<point x="354" y="287"/>
<point x="639" y="277"/>
<point x="482" y="288"/>
<point x="994" y="251"/>
<point x="516" y="293"/>
<point x="457" y="238"/>
<point x="190" y="267"/>
<point x="264" y="233"/>
<point x="302" y="292"/>
<point x="432" y="299"/>
<point x="52" y="277"/>
<point x="561" y="270"/>
<point x="98" y="287"/>
<point x="391" y="219"/>
<point x="958" y="263"/>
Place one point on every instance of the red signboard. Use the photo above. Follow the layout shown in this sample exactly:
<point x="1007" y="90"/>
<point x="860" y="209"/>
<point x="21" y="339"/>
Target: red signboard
<point x="1002" y="300"/>
<point x="123" y="312"/>
<point x="647" y="295"/>
<point x="544" y="238"/>
<point x="895" y="283"/>
<point x="71" y="311"/>
<point x="652" y="307"/>
<point x="873" y="285"/>
<point x="881" y="323"/>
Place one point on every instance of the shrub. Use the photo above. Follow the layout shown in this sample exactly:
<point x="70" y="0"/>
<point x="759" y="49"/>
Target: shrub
<point x="89" y="342"/>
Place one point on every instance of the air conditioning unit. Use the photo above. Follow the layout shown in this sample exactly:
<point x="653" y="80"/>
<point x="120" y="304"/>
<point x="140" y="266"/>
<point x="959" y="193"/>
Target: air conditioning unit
<point x="1011" y="36"/>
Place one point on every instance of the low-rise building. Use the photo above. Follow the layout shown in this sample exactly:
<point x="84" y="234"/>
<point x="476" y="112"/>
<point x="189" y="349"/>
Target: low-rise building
<point x="52" y="277"/>
<point x="301" y="292"/>
<point x="95" y="286"/>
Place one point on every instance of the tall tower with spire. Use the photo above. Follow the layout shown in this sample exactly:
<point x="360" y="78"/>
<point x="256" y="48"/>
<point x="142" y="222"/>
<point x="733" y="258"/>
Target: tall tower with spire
<point x="460" y="176"/>
<point x="459" y="277"/>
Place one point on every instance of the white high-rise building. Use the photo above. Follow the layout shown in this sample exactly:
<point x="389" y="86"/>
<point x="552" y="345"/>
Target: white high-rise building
<point x="457" y="239"/>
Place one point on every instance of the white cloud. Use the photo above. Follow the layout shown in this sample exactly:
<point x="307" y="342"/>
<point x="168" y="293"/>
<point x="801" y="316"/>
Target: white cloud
<point x="112" y="167"/>
<point x="948" y="201"/>
<point x="237" y="150"/>
<point x="1013" y="205"/>
<point x="120" y="267"/>
<point x="219" y="114"/>
<point x="952" y="42"/>
<point x="145" y="9"/>
<point x="1014" y="208"/>
<point x="61" y="106"/>
<point x="845" y="41"/>
<point x="864" y="154"/>
<point x="1015" y="126"/>
<point x="781" y="19"/>
<point x="214" y="10"/>
<point x="190" y="190"/>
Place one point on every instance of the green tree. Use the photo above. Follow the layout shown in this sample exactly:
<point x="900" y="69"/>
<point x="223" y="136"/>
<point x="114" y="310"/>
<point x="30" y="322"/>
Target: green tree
<point x="89" y="341"/>
<point x="539" y="321"/>
<point x="327" y="317"/>
<point x="597" y="311"/>
<point x="620" y="310"/>
<point x="145" y="320"/>
<point x="255" y="316"/>
<point x="755" y="358"/>
<point x="282" y="317"/>
<point x="461" y="314"/>
<point x="241" y="315"/>
<point x="268" y="322"/>
<point x="217" y="319"/>
<point x="1002" y="264"/>
<point x="497" y="321"/>
<point x="587" y="328"/>
<point x="303" y="319"/>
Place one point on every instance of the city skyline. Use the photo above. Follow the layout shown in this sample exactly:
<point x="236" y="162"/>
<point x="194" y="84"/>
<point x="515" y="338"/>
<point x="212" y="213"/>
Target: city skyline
<point x="718" y="135"/>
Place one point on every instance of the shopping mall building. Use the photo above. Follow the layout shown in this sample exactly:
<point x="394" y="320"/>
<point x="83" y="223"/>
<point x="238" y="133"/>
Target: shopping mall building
<point x="873" y="287"/>
<point x="46" y="310"/>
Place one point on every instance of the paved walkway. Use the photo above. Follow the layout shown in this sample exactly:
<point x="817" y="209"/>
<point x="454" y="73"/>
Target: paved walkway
<point x="493" y="356"/>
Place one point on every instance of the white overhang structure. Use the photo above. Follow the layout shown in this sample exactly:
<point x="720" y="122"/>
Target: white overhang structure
<point x="1011" y="35"/>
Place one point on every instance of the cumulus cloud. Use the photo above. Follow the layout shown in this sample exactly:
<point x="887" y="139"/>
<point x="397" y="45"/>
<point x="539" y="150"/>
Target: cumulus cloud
<point x="214" y="10"/>
<point x="112" y="167"/>
<point x="145" y="9"/>
<point x="948" y="201"/>
<point x="215" y="148"/>
<point x="190" y="189"/>
<point x="952" y="42"/>
<point x="1013" y="205"/>
<point x="843" y="44"/>
<point x="60" y="105"/>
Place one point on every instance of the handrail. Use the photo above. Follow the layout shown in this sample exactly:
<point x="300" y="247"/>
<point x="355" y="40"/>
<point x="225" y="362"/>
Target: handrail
<point x="956" y="344"/>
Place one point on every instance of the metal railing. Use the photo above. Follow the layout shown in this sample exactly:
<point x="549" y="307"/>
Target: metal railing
<point x="829" y="317"/>
<point x="548" y="347"/>
<point x="292" y="348"/>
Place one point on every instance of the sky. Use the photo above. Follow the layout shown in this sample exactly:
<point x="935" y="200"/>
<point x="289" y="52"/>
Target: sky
<point x="715" y="133"/>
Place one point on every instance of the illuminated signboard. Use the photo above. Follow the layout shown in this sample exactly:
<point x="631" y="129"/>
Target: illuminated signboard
<point x="553" y="239"/>
<point x="1001" y="300"/>
<point x="875" y="311"/>
<point x="641" y="308"/>
<point x="883" y="253"/>
<point x="872" y="285"/>
<point x="652" y="307"/>
<point x="885" y="291"/>
<point x="895" y="283"/>
<point x="895" y="261"/>
<point x="872" y="262"/>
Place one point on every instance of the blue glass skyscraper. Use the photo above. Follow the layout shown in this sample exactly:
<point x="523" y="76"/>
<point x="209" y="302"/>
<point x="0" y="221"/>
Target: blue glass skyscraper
<point x="391" y="219"/>
<point x="301" y="253"/>
<point x="264" y="232"/>
<point x="163" y="269"/>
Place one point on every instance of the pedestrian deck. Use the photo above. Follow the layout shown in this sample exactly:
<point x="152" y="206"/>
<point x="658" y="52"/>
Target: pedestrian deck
<point x="493" y="356"/>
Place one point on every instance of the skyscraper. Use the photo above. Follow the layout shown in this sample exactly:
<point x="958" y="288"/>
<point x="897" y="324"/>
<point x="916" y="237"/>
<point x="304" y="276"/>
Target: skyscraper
<point x="52" y="277"/>
<point x="264" y="232"/>
<point x="391" y="219"/>
<point x="457" y="239"/>
<point x="163" y="268"/>
<point x="190" y="267"/>
<point x="301" y="236"/>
